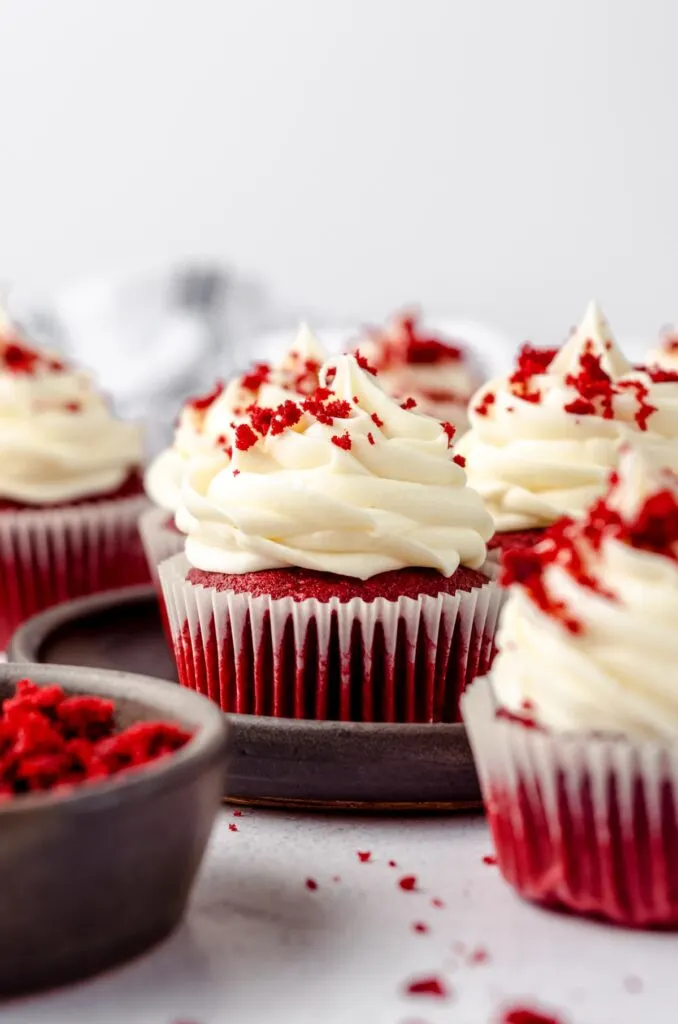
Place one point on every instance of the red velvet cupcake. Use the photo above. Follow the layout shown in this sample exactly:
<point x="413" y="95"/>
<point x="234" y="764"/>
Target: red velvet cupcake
<point x="70" y="487"/>
<point x="544" y="440"/>
<point x="574" y="730"/>
<point x="335" y="565"/>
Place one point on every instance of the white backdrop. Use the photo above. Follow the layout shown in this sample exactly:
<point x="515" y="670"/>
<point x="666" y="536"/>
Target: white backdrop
<point x="499" y="159"/>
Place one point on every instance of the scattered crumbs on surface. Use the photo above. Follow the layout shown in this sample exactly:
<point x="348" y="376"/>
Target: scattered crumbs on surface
<point x="490" y="859"/>
<point x="311" y="884"/>
<point x="478" y="956"/>
<point x="438" y="903"/>
<point x="232" y="827"/>
<point x="237" y="814"/>
<point x="336" y="878"/>
<point x="633" y="984"/>
<point x="364" y="856"/>
<point x="420" y="927"/>
<point x="527" y="1015"/>
<point x="408" y="883"/>
<point x="432" y="986"/>
<point x="393" y="864"/>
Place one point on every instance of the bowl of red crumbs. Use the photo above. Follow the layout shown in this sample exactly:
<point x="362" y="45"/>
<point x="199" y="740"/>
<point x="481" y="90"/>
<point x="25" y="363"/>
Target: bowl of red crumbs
<point x="109" y="786"/>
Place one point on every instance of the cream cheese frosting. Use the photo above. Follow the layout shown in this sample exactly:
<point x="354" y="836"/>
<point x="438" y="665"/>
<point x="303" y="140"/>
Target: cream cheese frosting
<point x="345" y="482"/>
<point x="665" y="355"/>
<point x="206" y="424"/>
<point x="412" y="363"/>
<point x="588" y="637"/>
<point x="543" y="441"/>
<point x="58" y="438"/>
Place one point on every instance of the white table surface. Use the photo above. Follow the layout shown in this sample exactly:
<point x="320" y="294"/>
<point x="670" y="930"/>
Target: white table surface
<point x="258" y="945"/>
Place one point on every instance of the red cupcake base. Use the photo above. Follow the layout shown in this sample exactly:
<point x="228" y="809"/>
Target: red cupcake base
<point x="514" y="539"/>
<point x="585" y="824"/>
<point x="56" y="554"/>
<point x="295" y="644"/>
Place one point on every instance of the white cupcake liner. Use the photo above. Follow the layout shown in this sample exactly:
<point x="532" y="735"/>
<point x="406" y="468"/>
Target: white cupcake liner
<point x="159" y="540"/>
<point x="53" y="555"/>
<point x="583" y="822"/>
<point x="405" y="660"/>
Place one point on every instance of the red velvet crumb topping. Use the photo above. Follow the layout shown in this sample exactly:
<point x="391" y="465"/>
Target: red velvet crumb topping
<point x="485" y="403"/>
<point x="654" y="529"/>
<point x="202" y="403"/>
<point x="19" y="358"/>
<point x="364" y="364"/>
<point x="342" y="441"/>
<point x="50" y="740"/>
<point x="409" y="403"/>
<point x="524" y="1015"/>
<point x="661" y="376"/>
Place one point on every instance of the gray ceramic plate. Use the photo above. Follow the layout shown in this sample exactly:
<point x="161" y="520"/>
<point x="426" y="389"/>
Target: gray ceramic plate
<point x="273" y="761"/>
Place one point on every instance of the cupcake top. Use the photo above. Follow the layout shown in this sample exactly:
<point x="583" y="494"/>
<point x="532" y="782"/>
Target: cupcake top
<point x="206" y="424"/>
<point x="59" y="440"/>
<point x="412" y="362"/>
<point x="665" y="355"/>
<point x="543" y="441"/>
<point x="588" y="637"/>
<point x="346" y="481"/>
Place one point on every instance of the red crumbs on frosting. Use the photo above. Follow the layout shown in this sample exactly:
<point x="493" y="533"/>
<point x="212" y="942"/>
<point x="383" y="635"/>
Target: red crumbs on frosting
<point x="405" y="341"/>
<point x="245" y="437"/>
<point x="364" y="364"/>
<point x="256" y="377"/>
<point x="49" y="740"/>
<point x="531" y="362"/>
<point x="409" y="403"/>
<point x="485" y="403"/>
<point x="450" y="430"/>
<point x="378" y="422"/>
<point x="342" y="441"/>
<point x="653" y="529"/>
<point x="370" y="438"/>
<point x="460" y="460"/>
<point x="73" y="406"/>
<point x="596" y="390"/>
<point x="203" y="402"/>
<point x="661" y="376"/>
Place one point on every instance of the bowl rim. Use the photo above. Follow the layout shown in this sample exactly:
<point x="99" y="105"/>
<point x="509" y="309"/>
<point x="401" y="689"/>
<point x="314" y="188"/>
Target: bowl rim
<point x="206" y="747"/>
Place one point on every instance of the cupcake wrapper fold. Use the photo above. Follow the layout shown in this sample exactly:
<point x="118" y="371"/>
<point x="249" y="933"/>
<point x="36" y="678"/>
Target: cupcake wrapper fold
<point x="160" y="542"/>
<point x="380" y="661"/>
<point x="583" y="823"/>
<point x="53" y="555"/>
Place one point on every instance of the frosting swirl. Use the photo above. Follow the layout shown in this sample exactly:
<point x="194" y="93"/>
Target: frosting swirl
<point x="206" y="424"/>
<point x="542" y="442"/>
<point x="59" y="440"/>
<point x="439" y="375"/>
<point x="345" y="482"/>
<point x="588" y="635"/>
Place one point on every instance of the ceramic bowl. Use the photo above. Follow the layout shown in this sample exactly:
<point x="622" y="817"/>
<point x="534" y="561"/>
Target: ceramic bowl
<point x="91" y="877"/>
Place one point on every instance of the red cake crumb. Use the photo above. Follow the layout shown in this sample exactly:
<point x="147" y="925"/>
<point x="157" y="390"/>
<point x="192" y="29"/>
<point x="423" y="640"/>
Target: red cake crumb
<point x="438" y="903"/>
<point x="661" y="376"/>
<point x="450" y="430"/>
<point x="460" y="460"/>
<point x="525" y="1015"/>
<point x="364" y="856"/>
<point x="232" y="827"/>
<point x="370" y="438"/>
<point x="408" y="883"/>
<point x="256" y="377"/>
<point x="378" y="422"/>
<point x="203" y="402"/>
<point x="490" y="859"/>
<point x="49" y="740"/>
<point x="245" y="438"/>
<point x="433" y="986"/>
<point x="393" y="864"/>
<point x="478" y="956"/>
<point x="407" y="343"/>
<point x="311" y="884"/>
<point x="409" y="403"/>
<point x="485" y="403"/>
<point x="364" y="364"/>
<point x="342" y="441"/>
<point x="515" y="539"/>
<point x="300" y="584"/>
<point x="237" y="814"/>
<point x="420" y="928"/>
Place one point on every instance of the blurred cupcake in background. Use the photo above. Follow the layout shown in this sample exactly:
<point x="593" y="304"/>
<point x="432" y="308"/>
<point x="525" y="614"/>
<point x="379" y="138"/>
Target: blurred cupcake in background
<point x="544" y="440"/>
<point x="575" y="729"/>
<point x="439" y="374"/>
<point x="665" y="354"/>
<point x="71" y="488"/>
<point x="205" y="430"/>
<point x="334" y="564"/>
